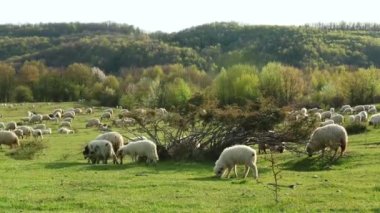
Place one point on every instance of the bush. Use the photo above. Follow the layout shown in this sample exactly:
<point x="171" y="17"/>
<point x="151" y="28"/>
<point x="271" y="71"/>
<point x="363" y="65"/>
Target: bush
<point x="355" y="128"/>
<point x="28" y="150"/>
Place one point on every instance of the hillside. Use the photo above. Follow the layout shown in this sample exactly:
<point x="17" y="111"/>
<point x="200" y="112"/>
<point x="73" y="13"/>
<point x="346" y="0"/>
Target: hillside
<point x="113" y="46"/>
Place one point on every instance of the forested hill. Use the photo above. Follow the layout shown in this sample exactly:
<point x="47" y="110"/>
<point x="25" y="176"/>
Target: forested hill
<point x="113" y="46"/>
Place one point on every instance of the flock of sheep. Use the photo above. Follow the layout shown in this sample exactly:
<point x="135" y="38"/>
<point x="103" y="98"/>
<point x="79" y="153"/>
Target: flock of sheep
<point x="111" y="145"/>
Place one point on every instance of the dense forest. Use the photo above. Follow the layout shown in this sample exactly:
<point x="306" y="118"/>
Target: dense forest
<point x="119" y="64"/>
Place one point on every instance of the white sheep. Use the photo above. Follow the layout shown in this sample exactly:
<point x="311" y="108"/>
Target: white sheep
<point x="359" y="108"/>
<point x="69" y="114"/>
<point x="357" y="118"/>
<point x="9" y="138"/>
<point x="40" y="126"/>
<point x="19" y="133"/>
<point x="57" y="111"/>
<point x="237" y="154"/>
<point x="26" y="130"/>
<point x="97" y="150"/>
<point x="106" y="115"/>
<point x="372" y="110"/>
<point x="375" y="120"/>
<point x="89" y="110"/>
<point x="326" y="114"/>
<point x="46" y="117"/>
<point x="364" y="116"/>
<point x="348" y="110"/>
<point x="115" y="138"/>
<point x="110" y="110"/>
<point x="57" y="115"/>
<point x="337" y="118"/>
<point x="65" y="124"/>
<point x="139" y="148"/>
<point x="46" y="131"/>
<point x="318" y="116"/>
<point x="35" y="119"/>
<point x="332" y="136"/>
<point x="68" y="119"/>
<point x="11" y="126"/>
<point x="64" y="130"/>
<point x="93" y="122"/>
<point x="37" y="133"/>
<point x="351" y="118"/>
<point x="78" y="110"/>
<point x="344" y="107"/>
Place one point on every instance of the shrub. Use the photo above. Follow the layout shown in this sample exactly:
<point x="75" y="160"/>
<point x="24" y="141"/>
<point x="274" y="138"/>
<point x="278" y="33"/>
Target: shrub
<point x="355" y="128"/>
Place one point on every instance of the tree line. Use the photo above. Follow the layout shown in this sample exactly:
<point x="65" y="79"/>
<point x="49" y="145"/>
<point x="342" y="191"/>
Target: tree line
<point x="174" y="86"/>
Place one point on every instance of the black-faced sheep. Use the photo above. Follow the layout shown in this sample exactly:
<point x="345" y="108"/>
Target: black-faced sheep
<point x="332" y="136"/>
<point x="97" y="150"/>
<point x="9" y="138"/>
<point x="237" y="154"/>
<point x="139" y="148"/>
<point x="272" y="147"/>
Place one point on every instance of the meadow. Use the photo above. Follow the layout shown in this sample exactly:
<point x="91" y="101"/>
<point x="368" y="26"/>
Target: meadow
<point x="59" y="179"/>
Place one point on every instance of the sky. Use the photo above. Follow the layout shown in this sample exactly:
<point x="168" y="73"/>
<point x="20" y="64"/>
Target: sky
<point x="176" y="15"/>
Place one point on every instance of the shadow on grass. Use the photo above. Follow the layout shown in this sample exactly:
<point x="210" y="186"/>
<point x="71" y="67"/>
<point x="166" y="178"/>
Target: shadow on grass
<point x="62" y="165"/>
<point x="207" y="178"/>
<point x="312" y="164"/>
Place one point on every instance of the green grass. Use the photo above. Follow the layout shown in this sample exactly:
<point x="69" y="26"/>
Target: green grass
<point x="59" y="179"/>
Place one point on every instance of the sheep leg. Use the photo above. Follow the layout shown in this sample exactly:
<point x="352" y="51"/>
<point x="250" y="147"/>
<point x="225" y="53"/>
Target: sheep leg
<point x="228" y="172"/>
<point x="235" y="171"/>
<point x="254" y="170"/>
<point x="246" y="171"/>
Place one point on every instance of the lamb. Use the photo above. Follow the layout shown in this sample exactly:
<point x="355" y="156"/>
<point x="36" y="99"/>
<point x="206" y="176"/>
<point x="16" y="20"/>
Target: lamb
<point x="97" y="150"/>
<point x="11" y="126"/>
<point x="64" y="130"/>
<point x="9" y="138"/>
<point x="46" y="131"/>
<point x="332" y="136"/>
<point x="115" y="138"/>
<point x="374" y="120"/>
<point x="93" y="122"/>
<point x="37" y="133"/>
<point x="139" y="148"/>
<point x="106" y="115"/>
<point x="65" y="124"/>
<point x="237" y="154"/>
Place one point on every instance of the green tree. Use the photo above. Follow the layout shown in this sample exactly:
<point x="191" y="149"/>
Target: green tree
<point x="176" y="93"/>
<point x="7" y="79"/>
<point x="23" y="94"/>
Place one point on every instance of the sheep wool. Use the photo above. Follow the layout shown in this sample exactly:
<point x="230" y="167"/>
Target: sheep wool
<point x="332" y="136"/>
<point x="115" y="138"/>
<point x="375" y="120"/>
<point x="237" y="154"/>
<point x="9" y="138"/>
<point x="139" y="148"/>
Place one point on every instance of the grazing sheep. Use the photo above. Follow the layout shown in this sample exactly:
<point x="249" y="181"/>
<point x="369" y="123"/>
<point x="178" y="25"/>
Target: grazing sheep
<point x="19" y="133"/>
<point x="337" y="118"/>
<point x="237" y="154"/>
<point x="332" y="136"/>
<point x="318" y="116"/>
<point x="46" y="117"/>
<point x="35" y="119"/>
<point x="364" y="116"/>
<point x="348" y="111"/>
<point x="312" y="110"/>
<point x="344" y="107"/>
<point x="359" y="108"/>
<point x="93" y="122"/>
<point x="351" y="118"/>
<point x="89" y="111"/>
<point x="97" y="150"/>
<point x="68" y="119"/>
<point x="9" y="138"/>
<point x="78" y="110"/>
<point x="37" y="133"/>
<point x="30" y="114"/>
<point x="55" y="119"/>
<point x="106" y="115"/>
<point x="326" y="122"/>
<point x="115" y="138"/>
<point x="57" y="115"/>
<point x="46" y="131"/>
<point x="57" y="111"/>
<point x="25" y="119"/>
<point x="40" y="126"/>
<point x="110" y="110"/>
<point x="64" y="130"/>
<point x="26" y="130"/>
<point x="70" y="114"/>
<point x="372" y="111"/>
<point x="139" y="148"/>
<point x="11" y="126"/>
<point x="326" y="114"/>
<point x="374" y="120"/>
<point x="65" y="124"/>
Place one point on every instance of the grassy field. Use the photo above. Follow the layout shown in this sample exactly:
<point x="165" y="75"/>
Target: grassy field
<point x="60" y="180"/>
